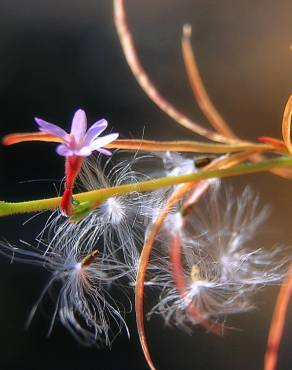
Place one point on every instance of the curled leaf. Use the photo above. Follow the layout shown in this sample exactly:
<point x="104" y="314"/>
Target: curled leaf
<point x="286" y="124"/>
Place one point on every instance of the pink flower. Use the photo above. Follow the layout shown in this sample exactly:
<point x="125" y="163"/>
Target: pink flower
<point x="80" y="142"/>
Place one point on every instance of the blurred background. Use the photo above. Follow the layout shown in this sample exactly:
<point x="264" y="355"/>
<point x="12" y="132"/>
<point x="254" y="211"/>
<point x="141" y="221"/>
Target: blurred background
<point x="58" y="56"/>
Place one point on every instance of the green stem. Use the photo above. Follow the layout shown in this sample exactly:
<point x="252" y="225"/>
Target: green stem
<point x="100" y="195"/>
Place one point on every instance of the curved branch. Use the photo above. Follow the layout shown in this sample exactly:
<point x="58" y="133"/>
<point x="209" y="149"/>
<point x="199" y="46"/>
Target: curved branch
<point x="198" y="88"/>
<point x="145" y="82"/>
<point x="277" y="324"/>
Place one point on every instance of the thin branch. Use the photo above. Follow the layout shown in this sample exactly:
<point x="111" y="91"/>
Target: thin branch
<point x="211" y="112"/>
<point x="277" y="324"/>
<point x="198" y="88"/>
<point x="188" y="146"/>
<point x="143" y="264"/>
<point x="100" y="195"/>
<point x="145" y="82"/>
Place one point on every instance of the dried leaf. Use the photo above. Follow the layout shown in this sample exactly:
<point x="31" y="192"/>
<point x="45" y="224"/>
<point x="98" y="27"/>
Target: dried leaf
<point x="277" y="324"/>
<point x="197" y="85"/>
<point x="17" y="138"/>
<point x="286" y="124"/>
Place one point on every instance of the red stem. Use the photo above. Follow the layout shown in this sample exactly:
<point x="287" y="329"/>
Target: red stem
<point x="278" y="322"/>
<point x="181" y="285"/>
<point x="72" y="169"/>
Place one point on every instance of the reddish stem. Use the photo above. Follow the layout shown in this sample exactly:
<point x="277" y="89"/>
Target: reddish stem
<point x="72" y="169"/>
<point x="181" y="285"/>
<point x="276" y="143"/>
<point x="277" y="324"/>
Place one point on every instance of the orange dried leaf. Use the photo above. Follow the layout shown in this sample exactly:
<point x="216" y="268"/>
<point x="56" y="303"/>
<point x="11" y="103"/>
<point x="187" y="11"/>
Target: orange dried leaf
<point x="277" y="324"/>
<point x="188" y="146"/>
<point x="276" y="143"/>
<point x="197" y="85"/>
<point x="146" y="84"/>
<point x="142" y="267"/>
<point x="17" y="138"/>
<point x="286" y="124"/>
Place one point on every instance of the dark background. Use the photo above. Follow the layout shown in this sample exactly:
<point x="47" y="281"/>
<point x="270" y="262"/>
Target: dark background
<point x="57" y="56"/>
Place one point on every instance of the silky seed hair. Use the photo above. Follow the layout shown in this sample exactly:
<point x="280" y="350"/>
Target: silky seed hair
<point x="125" y="217"/>
<point x="83" y="304"/>
<point x="221" y="270"/>
<point x="119" y="220"/>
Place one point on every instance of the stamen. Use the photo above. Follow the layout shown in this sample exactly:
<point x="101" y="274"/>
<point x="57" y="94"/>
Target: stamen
<point x="89" y="259"/>
<point x="195" y="274"/>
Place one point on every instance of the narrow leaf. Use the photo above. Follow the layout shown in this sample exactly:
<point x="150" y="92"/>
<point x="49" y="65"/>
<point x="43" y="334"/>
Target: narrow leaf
<point x="286" y="124"/>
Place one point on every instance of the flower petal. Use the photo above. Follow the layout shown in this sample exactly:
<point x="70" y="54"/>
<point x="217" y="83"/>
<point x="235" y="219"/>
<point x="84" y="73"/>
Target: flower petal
<point x="64" y="151"/>
<point x="104" y="151"/>
<point x="95" y="130"/>
<point x="50" y="128"/>
<point x="102" y="141"/>
<point x="85" y="151"/>
<point x="79" y="126"/>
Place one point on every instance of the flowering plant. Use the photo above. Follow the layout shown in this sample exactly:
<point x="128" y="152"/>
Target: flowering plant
<point x="176" y="229"/>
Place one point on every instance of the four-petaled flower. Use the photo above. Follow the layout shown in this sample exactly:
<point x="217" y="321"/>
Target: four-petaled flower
<point x="80" y="142"/>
